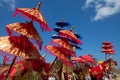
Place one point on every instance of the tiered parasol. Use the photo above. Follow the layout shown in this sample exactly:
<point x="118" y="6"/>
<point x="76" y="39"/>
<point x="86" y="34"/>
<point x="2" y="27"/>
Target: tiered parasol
<point x="58" y="53"/>
<point x="19" y="42"/>
<point x="61" y="47"/>
<point x="88" y="58"/>
<point x="26" y="29"/>
<point x="18" y="46"/>
<point x="107" y="49"/>
<point x="78" y="59"/>
<point x="64" y="45"/>
<point x="70" y="35"/>
<point x="15" y="47"/>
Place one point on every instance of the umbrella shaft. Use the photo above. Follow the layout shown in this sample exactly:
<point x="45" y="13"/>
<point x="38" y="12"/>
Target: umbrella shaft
<point x="11" y="66"/>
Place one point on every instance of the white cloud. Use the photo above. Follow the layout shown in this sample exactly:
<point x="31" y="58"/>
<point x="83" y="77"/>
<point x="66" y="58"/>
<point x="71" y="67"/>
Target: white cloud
<point x="88" y="3"/>
<point x="104" y="8"/>
<point x="10" y="4"/>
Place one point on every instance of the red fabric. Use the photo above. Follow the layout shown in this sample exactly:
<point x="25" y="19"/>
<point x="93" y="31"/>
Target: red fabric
<point x="35" y="64"/>
<point x="88" y="58"/>
<point x="107" y="46"/>
<point x="61" y="43"/>
<point x="27" y="12"/>
<point x="22" y="41"/>
<point x="57" y="52"/>
<point x="13" y="71"/>
<point x="78" y="59"/>
<point x="27" y="29"/>
<point x="97" y="71"/>
<point x="18" y="46"/>
<point x="2" y="75"/>
<point x="64" y="46"/>
<point x="70" y="35"/>
<point x="106" y="43"/>
<point x="108" y="51"/>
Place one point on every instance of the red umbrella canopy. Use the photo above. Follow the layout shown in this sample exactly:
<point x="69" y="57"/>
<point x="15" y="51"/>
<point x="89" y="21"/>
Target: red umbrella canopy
<point x="75" y="58"/>
<point x="26" y="29"/>
<point x="35" y="15"/>
<point x="107" y="46"/>
<point x="106" y="43"/>
<point x="88" y="58"/>
<point x="64" y="45"/>
<point x="70" y="35"/>
<point x="20" y="46"/>
<point x="108" y="51"/>
<point x="78" y="59"/>
<point x="98" y="70"/>
<point x="57" y="52"/>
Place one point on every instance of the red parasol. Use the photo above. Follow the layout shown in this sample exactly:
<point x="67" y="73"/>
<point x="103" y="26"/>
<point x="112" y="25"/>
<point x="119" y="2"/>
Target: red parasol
<point x="34" y="15"/>
<point x="18" y="46"/>
<point x="26" y="29"/>
<point x="88" y="58"/>
<point x="107" y="46"/>
<point x="10" y="46"/>
<point x="57" y="52"/>
<point x="64" y="44"/>
<point x="77" y="59"/>
<point x="70" y="35"/>
<point x="106" y="43"/>
<point x="97" y="71"/>
<point x="108" y="51"/>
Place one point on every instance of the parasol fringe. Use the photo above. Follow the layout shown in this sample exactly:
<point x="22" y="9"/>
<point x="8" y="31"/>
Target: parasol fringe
<point x="65" y="49"/>
<point x="41" y="22"/>
<point x="70" y="37"/>
<point x="63" y="58"/>
<point x="38" y="42"/>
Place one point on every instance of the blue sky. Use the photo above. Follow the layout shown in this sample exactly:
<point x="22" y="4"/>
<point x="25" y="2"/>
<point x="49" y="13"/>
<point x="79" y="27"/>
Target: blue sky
<point x="95" y="20"/>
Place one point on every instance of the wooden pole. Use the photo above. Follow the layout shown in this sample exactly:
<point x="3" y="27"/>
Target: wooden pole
<point x="11" y="66"/>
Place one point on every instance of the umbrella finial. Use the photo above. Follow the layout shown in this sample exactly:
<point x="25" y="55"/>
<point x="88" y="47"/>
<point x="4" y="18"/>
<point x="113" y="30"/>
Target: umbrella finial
<point x="38" y="6"/>
<point x="62" y="19"/>
<point x="72" y="28"/>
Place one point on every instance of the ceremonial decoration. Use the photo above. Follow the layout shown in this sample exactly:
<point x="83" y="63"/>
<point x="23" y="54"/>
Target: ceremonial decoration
<point x="26" y="29"/>
<point x="34" y="15"/>
<point x="70" y="35"/>
<point x="64" y="46"/>
<point x="22" y="59"/>
<point x="19" y="43"/>
<point x="15" y="47"/>
<point x="88" y="58"/>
